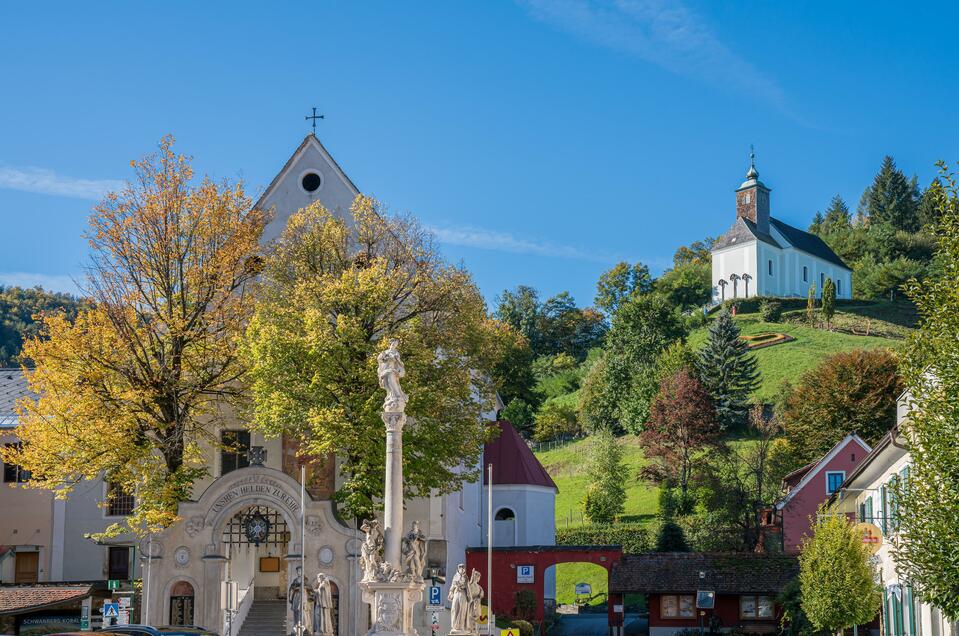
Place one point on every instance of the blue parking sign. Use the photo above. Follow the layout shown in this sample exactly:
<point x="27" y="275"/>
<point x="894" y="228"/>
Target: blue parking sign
<point x="435" y="595"/>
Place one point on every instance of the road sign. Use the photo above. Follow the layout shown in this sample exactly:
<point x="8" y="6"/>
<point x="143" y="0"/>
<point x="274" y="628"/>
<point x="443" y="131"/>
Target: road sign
<point x="113" y="584"/>
<point x="435" y="622"/>
<point x="871" y="536"/>
<point x="123" y="618"/>
<point x="705" y="599"/>
<point x="524" y="573"/>
<point x="125" y="602"/>
<point x="436" y="595"/>
<point x="584" y="589"/>
<point x="512" y="631"/>
<point x="111" y="610"/>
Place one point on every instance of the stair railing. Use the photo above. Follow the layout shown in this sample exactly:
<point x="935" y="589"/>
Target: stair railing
<point x="244" y="602"/>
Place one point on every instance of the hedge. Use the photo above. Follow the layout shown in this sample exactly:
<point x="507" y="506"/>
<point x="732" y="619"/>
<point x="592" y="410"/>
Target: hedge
<point x="634" y="537"/>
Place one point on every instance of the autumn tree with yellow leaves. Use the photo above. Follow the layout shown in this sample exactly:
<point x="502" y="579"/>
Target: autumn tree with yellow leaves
<point x="334" y="291"/>
<point x="138" y="382"/>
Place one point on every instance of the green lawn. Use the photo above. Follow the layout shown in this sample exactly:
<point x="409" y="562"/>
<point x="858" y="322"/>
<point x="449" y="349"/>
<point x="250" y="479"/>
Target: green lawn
<point x="790" y="359"/>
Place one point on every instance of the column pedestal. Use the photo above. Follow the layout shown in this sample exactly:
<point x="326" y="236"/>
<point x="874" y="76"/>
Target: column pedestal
<point x="391" y="604"/>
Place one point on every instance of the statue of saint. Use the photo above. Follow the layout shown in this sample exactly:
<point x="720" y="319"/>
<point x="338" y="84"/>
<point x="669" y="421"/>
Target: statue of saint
<point x="370" y="557"/>
<point x="389" y="370"/>
<point x="414" y="552"/>
<point x="295" y="596"/>
<point x="475" y="593"/>
<point x="322" y="606"/>
<point x="459" y="601"/>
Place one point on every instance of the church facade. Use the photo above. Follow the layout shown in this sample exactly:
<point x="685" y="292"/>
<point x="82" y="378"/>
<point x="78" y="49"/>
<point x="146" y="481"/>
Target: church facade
<point x="761" y="255"/>
<point x="250" y="523"/>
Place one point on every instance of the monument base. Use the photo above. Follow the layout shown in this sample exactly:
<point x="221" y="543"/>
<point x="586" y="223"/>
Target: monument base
<point x="392" y="606"/>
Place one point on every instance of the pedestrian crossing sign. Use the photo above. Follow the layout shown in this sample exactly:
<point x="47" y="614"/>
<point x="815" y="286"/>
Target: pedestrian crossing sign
<point x="512" y="631"/>
<point x="111" y="610"/>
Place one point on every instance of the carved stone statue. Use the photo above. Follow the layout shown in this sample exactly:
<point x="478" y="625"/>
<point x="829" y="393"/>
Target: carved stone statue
<point x="322" y="606"/>
<point x="295" y="596"/>
<point x="414" y="552"/>
<point x="370" y="551"/>
<point x="475" y="593"/>
<point x="459" y="601"/>
<point x="389" y="370"/>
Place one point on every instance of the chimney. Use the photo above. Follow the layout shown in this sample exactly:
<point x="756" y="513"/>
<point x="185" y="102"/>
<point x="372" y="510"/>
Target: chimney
<point x="752" y="198"/>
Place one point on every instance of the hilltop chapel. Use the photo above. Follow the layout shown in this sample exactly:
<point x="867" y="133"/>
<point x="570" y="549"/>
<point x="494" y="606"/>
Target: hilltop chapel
<point x="245" y="522"/>
<point x="763" y="256"/>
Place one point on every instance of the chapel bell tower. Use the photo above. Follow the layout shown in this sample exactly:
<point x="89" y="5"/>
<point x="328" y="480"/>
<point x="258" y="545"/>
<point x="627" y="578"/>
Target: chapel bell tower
<point x="752" y="198"/>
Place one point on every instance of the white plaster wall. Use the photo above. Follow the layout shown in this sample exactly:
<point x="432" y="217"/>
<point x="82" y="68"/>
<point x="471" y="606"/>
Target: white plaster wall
<point x="83" y="558"/>
<point x="734" y="260"/>
<point x="288" y="196"/>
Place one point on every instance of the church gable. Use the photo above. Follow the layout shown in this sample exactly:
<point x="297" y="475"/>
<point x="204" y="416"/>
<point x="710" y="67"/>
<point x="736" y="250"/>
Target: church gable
<point x="311" y="174"/>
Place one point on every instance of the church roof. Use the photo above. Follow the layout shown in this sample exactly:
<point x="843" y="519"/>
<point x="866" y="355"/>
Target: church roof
<point x="809" y="243"/>
<point x="744" y="230"/>
<point x="513" y="461"/>
<point x="310" y="138"/>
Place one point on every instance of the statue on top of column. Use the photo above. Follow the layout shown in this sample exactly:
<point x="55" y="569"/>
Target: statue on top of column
<point x="389" y="370"/>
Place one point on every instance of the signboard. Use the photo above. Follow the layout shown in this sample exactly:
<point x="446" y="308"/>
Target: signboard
<point x="435" y="622"/>
<point x="113" y="584"/>
<point x="111" y="610"/>
<point x="123" y="618"/>
<point x="524" y="573"/>
<point x="85" y="615"/>
<point x="512" y="631"/>
<point x="125" y="602"/>
<point x="436" y="595"/>
<point x="705" y="599"/>
<point x="617" y="609"/>
<point x="871" y="536"/>
<point x="584" y="589"/>
<point x="48" y="624"/>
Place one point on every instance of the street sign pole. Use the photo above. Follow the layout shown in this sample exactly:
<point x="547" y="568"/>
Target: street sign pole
<point x="491" y="618"/>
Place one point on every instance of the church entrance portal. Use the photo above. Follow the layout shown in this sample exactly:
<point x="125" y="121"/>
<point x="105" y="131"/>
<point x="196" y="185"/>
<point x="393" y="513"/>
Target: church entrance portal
<point x="256" y="540"/>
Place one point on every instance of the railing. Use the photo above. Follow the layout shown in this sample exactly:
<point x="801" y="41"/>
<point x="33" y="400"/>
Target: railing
<point x="243" y="602"/>
<point x="538" y="447"/>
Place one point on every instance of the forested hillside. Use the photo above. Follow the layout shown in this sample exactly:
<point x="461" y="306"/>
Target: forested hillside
<point x="18" y="306"/>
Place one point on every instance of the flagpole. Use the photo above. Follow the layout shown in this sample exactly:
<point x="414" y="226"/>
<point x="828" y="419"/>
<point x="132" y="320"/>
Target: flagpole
<point x="302" y="546"/>
<point x="490" y="616"/>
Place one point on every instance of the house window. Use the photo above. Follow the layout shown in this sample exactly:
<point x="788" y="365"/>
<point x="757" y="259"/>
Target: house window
<point x="822" y="281"/>
<point x="805" y="274"/>
<point x="118" y="563"/>
<point x="235" y="452"/>
<point x="839" y="287"/>
<point x="756" y="607"/>
<point x="119" y="502"/>
<point x="12" y="473"/>
<point x="770" y="266"/>
<point x="834" y="480"/>
<point x="677" y="606"/>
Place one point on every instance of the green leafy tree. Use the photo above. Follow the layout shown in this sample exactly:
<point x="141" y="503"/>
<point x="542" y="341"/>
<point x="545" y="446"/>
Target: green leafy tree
<point x="21" y="312"/>
<point x="671" y="538"/>
<point x="334" y="291"/>
<point x="687" y="286"/>
<point x="520" y="414"/>
<point x="828" y="301"/>
<point x="556" y="419"/>
<point x="616" y="392"/>
<point x="520" y="308"/>
<point x="928" y="501"/>
<point x="606" y="473"/>
<point x="727" y="370"/>
<point x="794" y="621"/>
<point x="849" y="391"/>
<point x="621" y="283"/>
<point x="697" y="252"/>
<point x="836" y="579"/>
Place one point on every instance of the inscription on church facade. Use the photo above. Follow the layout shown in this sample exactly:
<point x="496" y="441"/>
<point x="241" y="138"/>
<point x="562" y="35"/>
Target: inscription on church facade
<point x="257" y="485"/>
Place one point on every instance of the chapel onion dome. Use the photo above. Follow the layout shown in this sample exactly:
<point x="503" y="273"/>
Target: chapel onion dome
<point x="752" y="176"/>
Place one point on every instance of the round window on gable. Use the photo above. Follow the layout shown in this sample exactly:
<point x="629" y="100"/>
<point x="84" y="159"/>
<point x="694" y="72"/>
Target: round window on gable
<point x="311" y="181"/>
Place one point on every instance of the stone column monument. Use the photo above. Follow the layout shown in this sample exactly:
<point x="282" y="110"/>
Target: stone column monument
<point x="392" y="584"/>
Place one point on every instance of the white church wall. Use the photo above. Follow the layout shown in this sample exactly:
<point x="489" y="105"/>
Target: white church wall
<point x="737" y="260"/>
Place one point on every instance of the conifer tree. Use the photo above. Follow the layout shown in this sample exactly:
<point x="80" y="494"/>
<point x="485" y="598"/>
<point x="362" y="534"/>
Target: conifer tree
<point x="671" y="538"/>
<point x="605" y="495"/>
<point x="727" y="370"/>
<point x="828" y="301"/>
<point x="811" y="304"/>
<point x="892" y="199"/>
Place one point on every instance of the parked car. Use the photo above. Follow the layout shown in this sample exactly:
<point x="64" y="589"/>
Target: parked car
<point x="165" y="630"/>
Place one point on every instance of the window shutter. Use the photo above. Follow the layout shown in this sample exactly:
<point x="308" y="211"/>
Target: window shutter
<point x="885" y="509"/>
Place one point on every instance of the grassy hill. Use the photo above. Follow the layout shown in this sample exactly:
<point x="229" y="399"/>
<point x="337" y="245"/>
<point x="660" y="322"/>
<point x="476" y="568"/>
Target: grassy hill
<point x="888" y="324"/>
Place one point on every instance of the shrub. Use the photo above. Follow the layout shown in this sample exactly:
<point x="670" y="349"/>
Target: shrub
<point x="525" y="627"/>
<point x="525" y="605"/>
<point x="556" y="419"/>
<point x="708" y="532"/>
<point x="671" y="538"/>
<point x="634" y="537"/>
<point x="770" y="310"/>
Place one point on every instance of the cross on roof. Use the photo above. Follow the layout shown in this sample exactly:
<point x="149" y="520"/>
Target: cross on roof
<point x="314" y="117"/>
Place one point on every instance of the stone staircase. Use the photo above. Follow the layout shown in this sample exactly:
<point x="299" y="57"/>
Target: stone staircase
<point x="265" y="618"/>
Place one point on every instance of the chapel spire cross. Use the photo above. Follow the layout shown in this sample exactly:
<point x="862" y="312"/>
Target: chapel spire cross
<point x="314" y="117"/>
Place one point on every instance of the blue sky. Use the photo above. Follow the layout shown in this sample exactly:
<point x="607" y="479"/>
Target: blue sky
<point x="542" y="140"/>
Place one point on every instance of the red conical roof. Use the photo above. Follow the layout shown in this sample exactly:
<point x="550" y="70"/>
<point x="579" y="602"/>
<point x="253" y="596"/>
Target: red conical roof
<point x="513" y="461"/>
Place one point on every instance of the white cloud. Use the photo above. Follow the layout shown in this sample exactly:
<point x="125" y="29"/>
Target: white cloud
<point x="505" y="242"/>
<point x="51" y="282"/>
<point x="661" y="32"/>
<point x="43" y="181"/>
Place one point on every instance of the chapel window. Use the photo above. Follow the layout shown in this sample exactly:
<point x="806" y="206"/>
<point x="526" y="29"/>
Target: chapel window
<point x="235" y="450"/>
<point x="805" y="274"/>
<point x="311" y="181"/>
<point x="770" y="267"/>
<point x="120" y="503"/>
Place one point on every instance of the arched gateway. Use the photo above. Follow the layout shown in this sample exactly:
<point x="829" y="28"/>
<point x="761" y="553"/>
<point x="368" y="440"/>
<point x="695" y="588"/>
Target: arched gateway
<point x="246" y="527"/>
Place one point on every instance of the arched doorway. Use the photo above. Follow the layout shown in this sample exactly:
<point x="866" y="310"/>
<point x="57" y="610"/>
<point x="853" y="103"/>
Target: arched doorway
<point x="181" y="603"/>
<point x="256" y="539"/>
